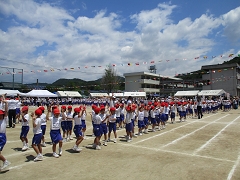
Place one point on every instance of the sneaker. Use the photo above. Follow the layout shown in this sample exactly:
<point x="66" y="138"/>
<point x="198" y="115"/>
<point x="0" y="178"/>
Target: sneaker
<point x="93" y="135"/>
<point x="108" y="140"/>
<point x="68" y="139"/>
<point x="24" y="148"/>
<point x="94" y="146"/>
<point x="44" y="144"/>
<point x="114" y="140"/>
<point x="105" y="143"/>
<point x="153" y="130"/>
<point x="129" y="140"/>
<point x="60" y="151"/>
<point x="55" y="155"/>
<point x="98" y="147"/>
<point x="77" y="149"/>
<point x="71" y="138"/>
<point x="134" y="135"/>
<point x="38" y="158"/>
<point x="5" y="165"/>
<point x="13" y="126"/>
<point x="64" y="140"/>
<point x="146" y="131"/>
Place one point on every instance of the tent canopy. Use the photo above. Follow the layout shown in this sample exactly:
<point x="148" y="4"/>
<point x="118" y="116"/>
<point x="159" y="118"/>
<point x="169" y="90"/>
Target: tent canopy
<point x="186" y="93"/>
<point x="98" y="94"/>
<point x="40" y="93"/>
<point x="116" y="94"/>
<point x="135" y="94"/>
<point x="217" y="92"/>
<point x="68" y="94"/>
<point x="11" y="92"/>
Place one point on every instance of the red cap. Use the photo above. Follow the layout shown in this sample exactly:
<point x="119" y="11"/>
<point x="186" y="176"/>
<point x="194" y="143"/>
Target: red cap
<point x="56" y="111"/>
<point x="94" y="106"/>
<point x="77" y="110"/>
<point x="128" y="108"/>
<point x="102" y="108"/>
<point x="25" y="108"/>
<point x="64" y="107"/>
<point x="149" y="103"/>
<point x="42" y="108"/>
<point x="121" y="105"/>
<point x="1" y="112"/>
<point x="97" y="110"/>
<point x="116" y="105"/>
<point x="112" y="109"/>
<point x="54" y="107"/>
<point x="69" y="107"/>
<point x="38" y="112"/>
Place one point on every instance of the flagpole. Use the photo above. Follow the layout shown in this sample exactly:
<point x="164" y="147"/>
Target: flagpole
<point x="13" y="78"/>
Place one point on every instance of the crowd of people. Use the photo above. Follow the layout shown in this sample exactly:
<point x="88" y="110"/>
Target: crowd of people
<point x="108" y="115"/>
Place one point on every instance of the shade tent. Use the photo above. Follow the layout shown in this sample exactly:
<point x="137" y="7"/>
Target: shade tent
<point x="68" y="94"/>
<point x="186" y="93"/>
<point x="40" y="93"/>
<point x="135" y="94"/>
<point x="116" y="94"/>
<point x="98" y="94"/>
<point x="217" y="92"/>
<point x="11" y="92"/>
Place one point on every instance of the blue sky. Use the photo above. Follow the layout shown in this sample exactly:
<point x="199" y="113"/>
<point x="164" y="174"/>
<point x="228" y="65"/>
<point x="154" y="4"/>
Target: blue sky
<point x="81" y="36"/>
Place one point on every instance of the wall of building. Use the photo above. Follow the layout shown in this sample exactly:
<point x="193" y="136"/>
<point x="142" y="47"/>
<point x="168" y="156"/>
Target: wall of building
<point x="132" y="83"/>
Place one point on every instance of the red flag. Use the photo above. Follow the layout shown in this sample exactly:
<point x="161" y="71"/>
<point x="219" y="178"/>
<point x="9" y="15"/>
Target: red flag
<point x="137" y="64"/>
<point x="196" y="57"/>
<point x="45" y="70"/>
<point x="152" y="62"/>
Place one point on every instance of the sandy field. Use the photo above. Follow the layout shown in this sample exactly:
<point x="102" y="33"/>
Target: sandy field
<point x="207" y="148"/>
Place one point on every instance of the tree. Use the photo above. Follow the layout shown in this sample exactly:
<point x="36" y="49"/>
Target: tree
<point x="110" y="80"/>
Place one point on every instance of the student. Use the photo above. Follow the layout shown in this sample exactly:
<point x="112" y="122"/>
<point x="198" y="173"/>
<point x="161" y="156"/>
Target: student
<point x="83" y="119"/>
<point x="69" y="118"/>
<point x="118" y="113"/>
<point x="122" y="112"/>
<point x="55" y="133"/>
<point x="146" y="118"/>
<point x="153" y="120"/>
<point x="12" y="105"/>
<point x="173" y="112"/>
<point x="37" y="131"/>
<point x="3" y="139"/>
<point x="43" y="125"/>
<point x="104" y="116"/>
<point x="25" y="127"/>
<point x="134" y="117"/>
<point x="97" y="129"/>
<point x="64" y="123"/>
<point x="77" y="128"/>
<point x="141" y="123"/>
<point x="112" y="125"/>
<point x="128" y="123"/>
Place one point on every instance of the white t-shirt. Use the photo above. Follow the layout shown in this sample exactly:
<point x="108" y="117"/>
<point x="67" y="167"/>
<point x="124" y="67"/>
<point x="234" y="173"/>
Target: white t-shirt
<point x="112" y="118"/>
<point x="55" y="123"/>
<point x="103" y="116"/>
<point x="96" y="119"/>
<point x="69" y="116"/>
<point x="118" y="112"/>
<point x="43" y="118"/>
<point x="12" y="104"/>
<point x="141" y="115"/>
<point x="128" y="118"/>
<point x="26" y="116"/>
<point x="37" y="129"/>
<point x="3" y="125"/>
<point x="83" y="117"/>
<point x="77" y="120"/>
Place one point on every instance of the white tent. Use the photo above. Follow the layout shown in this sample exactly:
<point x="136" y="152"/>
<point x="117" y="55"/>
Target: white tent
<point x="68" y="94"/>
<point x="11" y="92"/>
<point x="186" y="93"/>
<point x="98" y="94"/>
<point x="40" y="93"/>
<point x="217" y="92"/>
<point x="135" y="94"/>
<point x="116" y="94"/>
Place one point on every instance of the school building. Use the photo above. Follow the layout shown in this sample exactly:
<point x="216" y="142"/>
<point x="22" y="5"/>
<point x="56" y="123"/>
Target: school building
<point x="223" y="76"/>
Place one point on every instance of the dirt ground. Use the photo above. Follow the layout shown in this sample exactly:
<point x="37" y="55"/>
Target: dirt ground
<point x="207" y="148"/>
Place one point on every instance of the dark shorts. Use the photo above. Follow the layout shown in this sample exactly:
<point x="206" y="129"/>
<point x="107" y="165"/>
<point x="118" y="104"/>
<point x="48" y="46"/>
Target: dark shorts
<point x="18" y="111"/>
<point x="37" y="139"/>
<point x="97" y="129"/>
<point x="121" y="117"/>
<point x="112" y="127"/>
<point x="69" y="125"/>
<point x="3" y="140"/>
<point x="77" y="130"/>
<point x="104" y="128"/>
<point x="43" y="127"/>
<point x="24" y="131"/>
<point x="129" y="127"/>
<point x="172" y="115"/>
<point x="64" y="126"/>
<point x="153" y="120"/>
<point x="141" y="124"/>
<point x="84" y="124"/>
<point x="118" y="120"/>
<point x="55" y="136"/>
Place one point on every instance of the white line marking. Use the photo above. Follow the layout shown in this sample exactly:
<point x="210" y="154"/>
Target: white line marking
<point x="170" y="130"/>
<point x="203" y="146"/>
<point x="186" y="135"/>
<point x="179" y="153"/>
<point x="233" y="168"/>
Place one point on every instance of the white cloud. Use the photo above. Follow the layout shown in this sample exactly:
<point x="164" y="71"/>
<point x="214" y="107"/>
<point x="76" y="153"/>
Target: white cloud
<point x="49" y="36"/>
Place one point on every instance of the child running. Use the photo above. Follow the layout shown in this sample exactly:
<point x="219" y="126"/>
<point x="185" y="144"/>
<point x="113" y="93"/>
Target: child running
<point x="25" y="127"/>
<point x="112" y="124"/>
<point x="3" y="139"/>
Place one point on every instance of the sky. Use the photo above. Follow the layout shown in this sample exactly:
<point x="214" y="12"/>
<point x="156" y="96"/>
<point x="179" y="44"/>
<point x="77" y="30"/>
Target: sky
<point x="52" y="39"/>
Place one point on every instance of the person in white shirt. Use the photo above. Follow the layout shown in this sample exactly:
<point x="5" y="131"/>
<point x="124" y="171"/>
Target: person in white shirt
<point x="12" y="105"/>
<point x="37" y="131"/>
<point x="25" y="127"/>
<point x="69" y="118"/>
<point x="128" y="123"/>
<point x="77" y="128"/>
<point x="140" y="116"/>
<point x="43" y="125"/>
<point x="55" y="133"/>
<point x="112" y="125"/>
<point x="3" y="125"/>
<point x="104" y="116"/>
